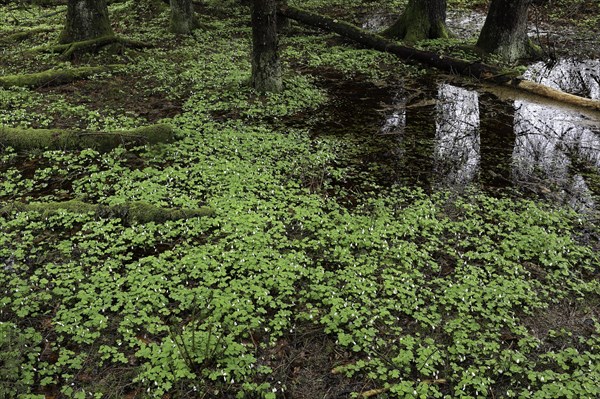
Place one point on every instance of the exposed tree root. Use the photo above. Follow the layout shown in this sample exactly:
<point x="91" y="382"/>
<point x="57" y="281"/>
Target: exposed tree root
<point x="478" y="70"/>
<point x="68" y="50"/>
<point x="19" y="36"/>
<point x="57" y="139"/>
<point x="54" y="77"/>
<point x="131" y="212"/>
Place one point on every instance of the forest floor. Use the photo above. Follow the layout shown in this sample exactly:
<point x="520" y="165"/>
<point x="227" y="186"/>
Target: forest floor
<point x="324" y="272"/>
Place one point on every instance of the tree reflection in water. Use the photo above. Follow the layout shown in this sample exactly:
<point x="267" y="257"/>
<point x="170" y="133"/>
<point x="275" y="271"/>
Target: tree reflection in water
<point x="457" y="144"/>
<point x="548" y="143"/>
<point x="395" y="122"/>
<point x="571" y="76"/>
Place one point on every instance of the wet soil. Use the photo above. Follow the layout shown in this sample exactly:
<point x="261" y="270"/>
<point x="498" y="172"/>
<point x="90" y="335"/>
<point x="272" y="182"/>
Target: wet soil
<point x="117" y="93"/>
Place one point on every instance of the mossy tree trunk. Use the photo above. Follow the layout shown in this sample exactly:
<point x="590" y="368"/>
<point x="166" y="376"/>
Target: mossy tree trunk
<point x="505" y="30"/>
<point x="86" y="19"/>
<point x="422" y="19"/>
<point x="182" y="17"/>
<point x="266" y="68"/>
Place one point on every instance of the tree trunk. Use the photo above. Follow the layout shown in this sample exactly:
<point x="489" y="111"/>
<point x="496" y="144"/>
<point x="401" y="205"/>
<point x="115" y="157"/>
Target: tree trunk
<point x="182" y="17"/>
<point x="86" y="19"/>
<point x="266" y="69"/>
<point x="505" y="30"/>
<point x="422" y="19"/>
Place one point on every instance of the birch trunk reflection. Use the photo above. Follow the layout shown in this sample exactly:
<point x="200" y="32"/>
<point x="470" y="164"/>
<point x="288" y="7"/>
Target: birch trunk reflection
<point x="457" y="151"/>
<point x="549" y="141"/>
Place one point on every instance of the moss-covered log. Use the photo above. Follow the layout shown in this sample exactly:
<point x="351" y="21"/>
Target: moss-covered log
<point x="54" y="77"/>
<point x="69" y="49"/>
<point x="479" y="70"/>
<point x="57" y="139"/>
<point x="19" y="36"/>
<point x="131" y="212"/>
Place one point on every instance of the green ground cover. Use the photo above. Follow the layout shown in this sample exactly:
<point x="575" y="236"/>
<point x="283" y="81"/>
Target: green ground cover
<point x="286" y="291"/>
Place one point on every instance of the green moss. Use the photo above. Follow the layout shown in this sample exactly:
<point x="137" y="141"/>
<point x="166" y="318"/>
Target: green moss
<point x="53" y="77"/>
<point x="29" y="139"/>
<point x="415" y="25"/>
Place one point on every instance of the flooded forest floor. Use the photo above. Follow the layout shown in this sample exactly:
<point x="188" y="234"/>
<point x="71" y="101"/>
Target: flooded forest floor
<point x="378" y="229"/>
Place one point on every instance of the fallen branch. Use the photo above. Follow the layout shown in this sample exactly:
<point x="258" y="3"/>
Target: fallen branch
<point x="378" y="391"/>
<point x="57" y="139"/>
<point x="477" y="70"/>
<point x="54" y="77"/>
<point x="373" y="392"/>
<point x="19" y="36"/>
<point x="131" y="212"/>
<point x="67" y="50"/>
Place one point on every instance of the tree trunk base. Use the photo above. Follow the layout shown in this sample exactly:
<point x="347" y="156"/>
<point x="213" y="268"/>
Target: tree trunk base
<point x="131" y="212"/>
<point x="57" y="139"/>
<point x="69" y="50"/>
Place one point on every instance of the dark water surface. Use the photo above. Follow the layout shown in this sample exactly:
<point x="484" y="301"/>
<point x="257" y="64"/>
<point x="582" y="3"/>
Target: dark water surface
<point x="436" y="134"/>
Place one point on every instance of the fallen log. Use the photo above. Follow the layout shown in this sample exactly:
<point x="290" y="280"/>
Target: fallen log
<point x="67" y="50"/>
<point x="131" y="212"/>
<point x="479" y="70"/>
<point x="57" y="139"/>
<point x="23" y="35"/>
<point x="54" y="77"/>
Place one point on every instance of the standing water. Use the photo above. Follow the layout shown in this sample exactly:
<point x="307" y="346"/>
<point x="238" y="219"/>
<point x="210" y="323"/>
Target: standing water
<point x="440" y="135"/>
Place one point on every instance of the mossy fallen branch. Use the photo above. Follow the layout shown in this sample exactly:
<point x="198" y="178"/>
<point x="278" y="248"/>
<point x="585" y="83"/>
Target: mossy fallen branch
<point x="479" y="70"/>
<point x="69" y="49"/>
<point x="54" y="77"/>
<point x="131" y="212"/>
<point x="57" y="139"/>
<point x="19" y="36"/>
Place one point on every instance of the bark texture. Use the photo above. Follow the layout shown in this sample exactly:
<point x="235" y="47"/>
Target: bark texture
<point x="505" y="30"/>
<point x="478" y="70"/>
<point x="58" y="139"/>
<point x="131" y="212"/>
<point x="266" y="68"/>
<point x="182" y="17"/>
<point x="86" y="19"/>
<point x="422" y="19"/>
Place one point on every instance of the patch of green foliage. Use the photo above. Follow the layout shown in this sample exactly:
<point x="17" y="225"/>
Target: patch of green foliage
<point x="425" y="295"/>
